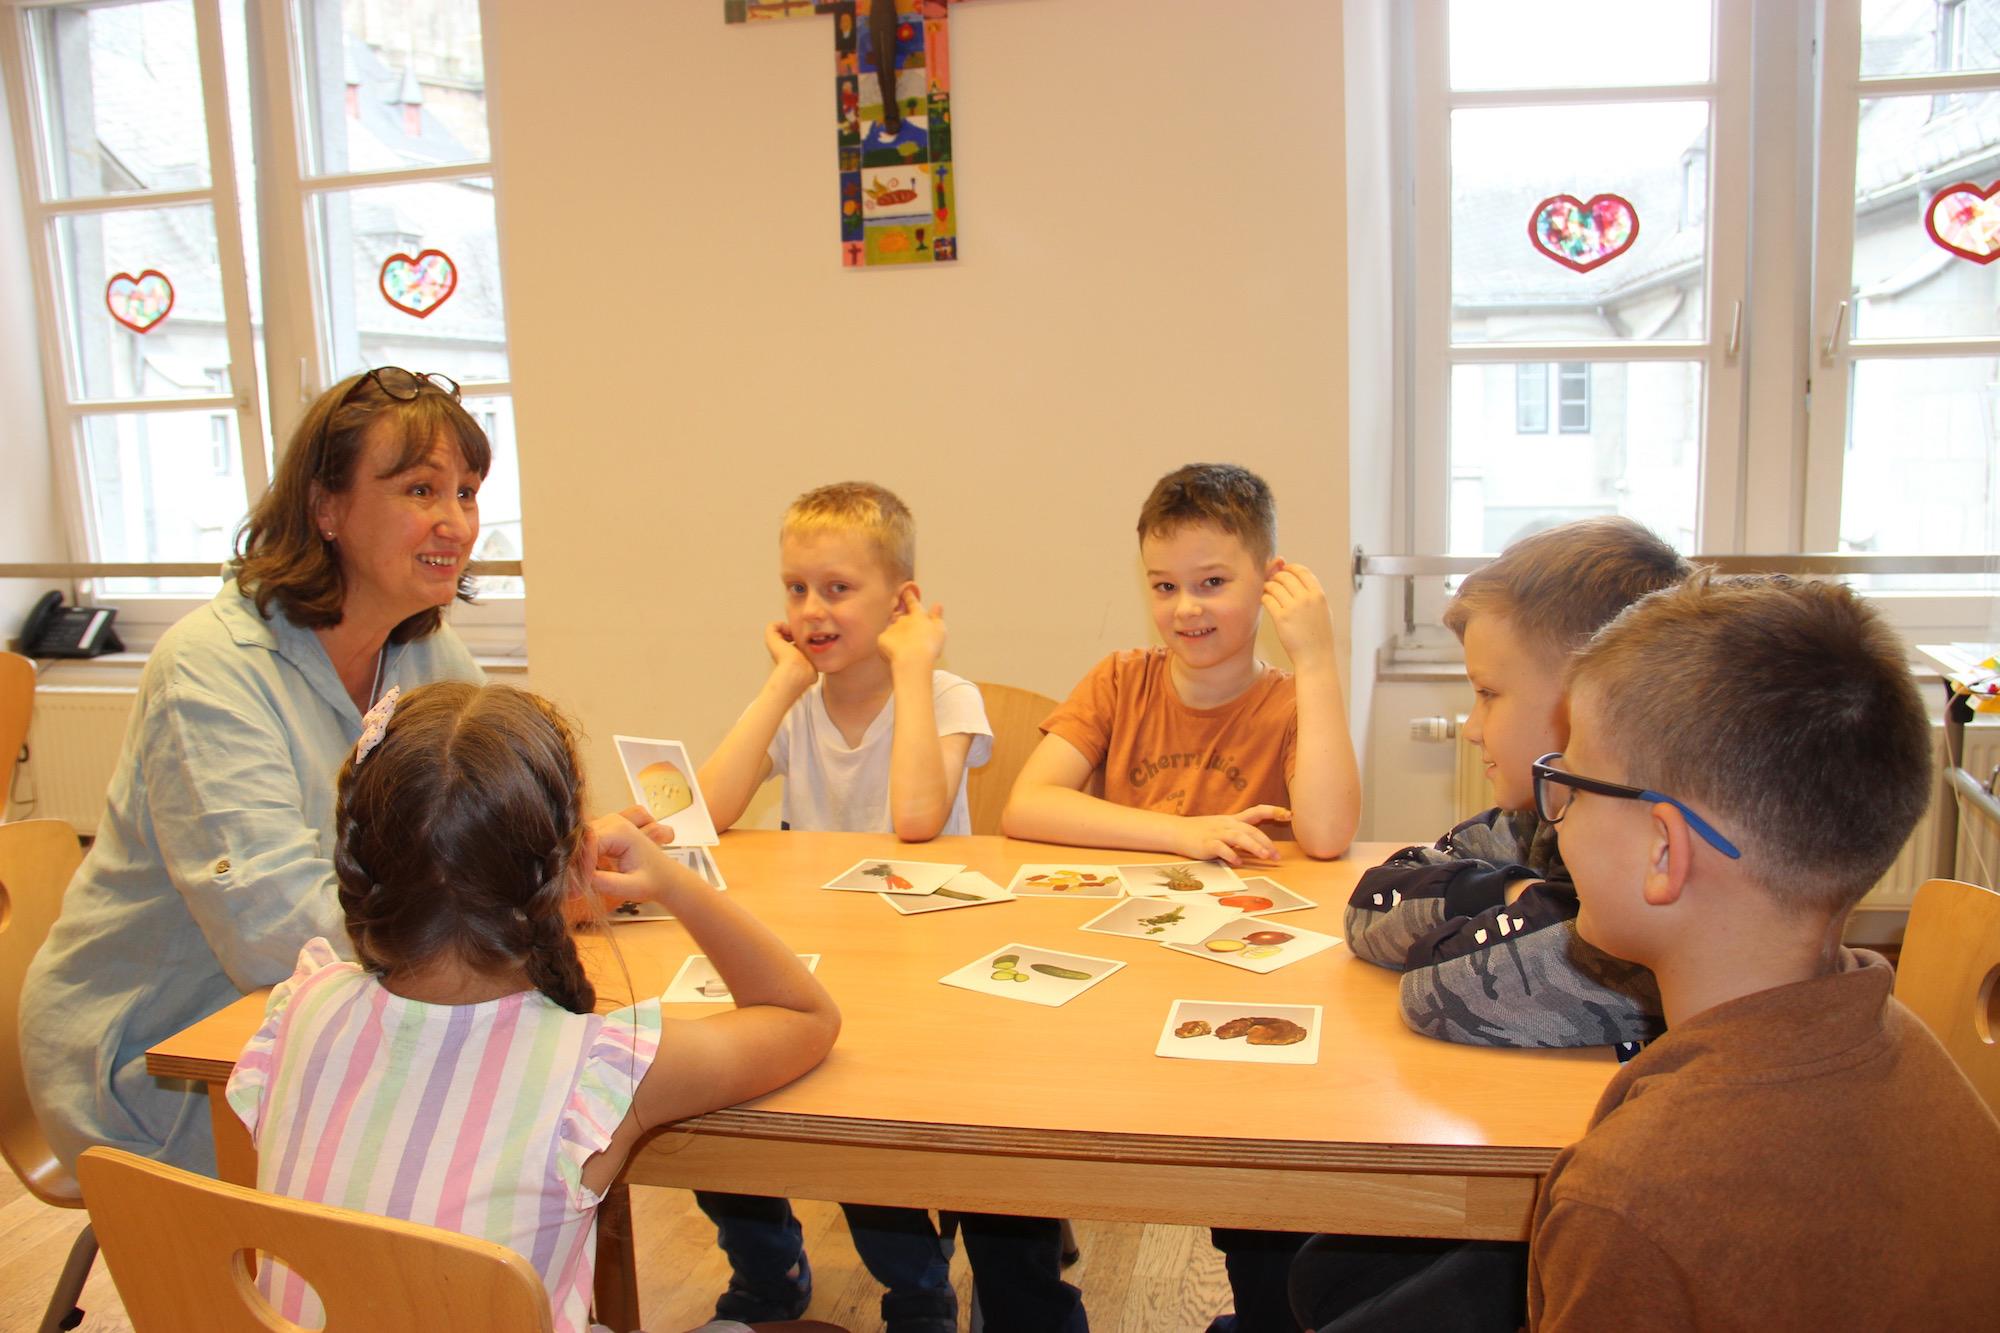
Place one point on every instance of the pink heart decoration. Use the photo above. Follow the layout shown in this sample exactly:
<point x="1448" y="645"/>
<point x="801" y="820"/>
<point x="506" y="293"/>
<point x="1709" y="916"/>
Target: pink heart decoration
<point x="1965" y="220"/>
<point x="419" y="284"/>
<point x="139" y="303"/>
<point x="1583" y="235"/>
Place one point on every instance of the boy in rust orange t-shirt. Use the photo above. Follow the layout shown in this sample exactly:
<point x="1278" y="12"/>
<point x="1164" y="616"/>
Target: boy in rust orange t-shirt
<point x="1191" y="747"/>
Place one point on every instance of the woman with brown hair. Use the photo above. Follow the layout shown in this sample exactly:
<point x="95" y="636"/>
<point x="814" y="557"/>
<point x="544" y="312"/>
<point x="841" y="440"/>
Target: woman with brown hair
<point x="213" y="864"/>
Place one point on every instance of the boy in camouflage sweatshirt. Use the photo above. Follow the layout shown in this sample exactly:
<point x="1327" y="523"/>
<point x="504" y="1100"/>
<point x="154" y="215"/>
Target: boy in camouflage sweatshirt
<point x="1482" y="924"/>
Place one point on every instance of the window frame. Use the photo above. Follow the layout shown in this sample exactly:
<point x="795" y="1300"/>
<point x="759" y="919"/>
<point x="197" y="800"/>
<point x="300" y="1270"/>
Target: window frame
<point x="270" y="393"/>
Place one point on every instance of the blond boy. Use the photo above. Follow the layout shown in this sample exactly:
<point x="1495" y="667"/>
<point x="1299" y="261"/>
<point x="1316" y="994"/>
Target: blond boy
<point x="1746" y="757"/>
<point x="1193" y="747"/>
<point x="1483" y="920"/>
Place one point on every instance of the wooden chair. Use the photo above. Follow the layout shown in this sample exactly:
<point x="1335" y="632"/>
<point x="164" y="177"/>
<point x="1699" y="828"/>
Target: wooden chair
<point x="1949" y="976"/>
<point x="37" y="859"/>
<point x="175" y="1243"/>
<point x="1016" y="717"/>
<point x="17" y="705"/>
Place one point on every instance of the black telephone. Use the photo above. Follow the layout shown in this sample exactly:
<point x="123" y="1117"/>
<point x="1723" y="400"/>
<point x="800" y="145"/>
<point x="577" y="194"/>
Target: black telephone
<point x="55" y="630"/>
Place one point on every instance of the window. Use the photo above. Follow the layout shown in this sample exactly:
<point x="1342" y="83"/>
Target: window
<point x="1531" y="399"/>
<point x="1587" y="268"/>
<point x="155" y="237"/>
<point x="1573" y="397"/>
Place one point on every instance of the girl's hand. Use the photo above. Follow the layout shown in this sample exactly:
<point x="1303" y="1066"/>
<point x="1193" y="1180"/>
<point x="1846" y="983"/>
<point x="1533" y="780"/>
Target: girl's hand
<point x="639" y="817"/>
<point x="630" y="865"/>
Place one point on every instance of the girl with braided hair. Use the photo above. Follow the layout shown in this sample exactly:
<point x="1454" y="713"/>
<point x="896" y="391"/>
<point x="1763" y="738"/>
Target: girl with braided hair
<point x="458" y="1075"/>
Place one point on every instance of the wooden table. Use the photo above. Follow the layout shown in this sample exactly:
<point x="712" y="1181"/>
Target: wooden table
<point x="945" y="1098"/>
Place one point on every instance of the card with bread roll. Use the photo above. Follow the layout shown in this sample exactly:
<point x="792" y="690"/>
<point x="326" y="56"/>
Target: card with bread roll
<point x="1253" y="1031"/>
<point x="663" y="781"/>
<point x="699" y="983"/>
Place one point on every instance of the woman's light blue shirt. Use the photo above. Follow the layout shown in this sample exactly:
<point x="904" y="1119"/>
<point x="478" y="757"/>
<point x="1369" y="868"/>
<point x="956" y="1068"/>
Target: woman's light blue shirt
<point x="211" y="869"/>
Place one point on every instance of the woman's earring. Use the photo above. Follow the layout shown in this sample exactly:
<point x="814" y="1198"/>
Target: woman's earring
<point x="327" y="535"/>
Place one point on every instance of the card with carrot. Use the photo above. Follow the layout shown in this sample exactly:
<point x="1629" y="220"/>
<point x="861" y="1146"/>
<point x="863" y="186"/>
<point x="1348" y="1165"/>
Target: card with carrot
<point x="880" y="875"/>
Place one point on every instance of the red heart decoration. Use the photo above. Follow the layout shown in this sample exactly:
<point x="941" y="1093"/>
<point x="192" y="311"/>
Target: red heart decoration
<point x="139" y="303"/>
<point x="418" y="284"/>
<point x="1581" y="235"/>
<point x="1964" y="220"/>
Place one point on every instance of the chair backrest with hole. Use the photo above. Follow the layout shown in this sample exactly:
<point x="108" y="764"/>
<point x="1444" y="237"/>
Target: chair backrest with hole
<point x="1949" y="975"/>
<point x="175" y="1242"/>
<point x="17" y="705"/>
<point x="37" y="859"/>
<point x="1016" y="718"/>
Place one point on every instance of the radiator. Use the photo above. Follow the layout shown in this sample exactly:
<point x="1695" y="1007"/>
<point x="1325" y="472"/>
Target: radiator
<point x="73" y="745"/>
<point x="1916" y="863"/>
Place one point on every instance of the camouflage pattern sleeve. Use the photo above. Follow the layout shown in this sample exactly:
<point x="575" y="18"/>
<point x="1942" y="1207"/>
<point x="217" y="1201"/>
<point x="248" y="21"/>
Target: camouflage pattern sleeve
<point x="1418" y="889"/>
<point x="1519" y="975"/>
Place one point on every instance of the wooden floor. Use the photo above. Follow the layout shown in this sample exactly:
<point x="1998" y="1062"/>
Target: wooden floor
<point x="1136" y="1279"/>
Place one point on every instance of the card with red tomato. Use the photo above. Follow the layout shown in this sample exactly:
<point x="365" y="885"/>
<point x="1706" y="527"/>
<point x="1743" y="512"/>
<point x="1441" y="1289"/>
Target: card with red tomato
<point x="878" y="875"/>
<point x="1260" y="895"/>
<point x="1257" y="946"/>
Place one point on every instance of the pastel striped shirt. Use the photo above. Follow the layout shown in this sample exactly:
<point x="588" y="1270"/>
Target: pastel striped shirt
<point x="474" y="1117"/>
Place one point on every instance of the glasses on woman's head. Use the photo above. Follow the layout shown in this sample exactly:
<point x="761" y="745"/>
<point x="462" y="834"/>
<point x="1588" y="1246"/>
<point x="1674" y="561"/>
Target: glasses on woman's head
<point x="406" y="386"/>
<point x="1555" y="789"/>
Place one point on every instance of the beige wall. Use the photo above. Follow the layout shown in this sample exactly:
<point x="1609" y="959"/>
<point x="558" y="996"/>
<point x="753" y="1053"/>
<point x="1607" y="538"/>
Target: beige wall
<point x="1154" y="242"/>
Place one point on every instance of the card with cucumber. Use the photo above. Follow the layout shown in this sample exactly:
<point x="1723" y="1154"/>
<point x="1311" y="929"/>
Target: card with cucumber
<point x="967" y="889"/>
<point x="1039" y="976"/>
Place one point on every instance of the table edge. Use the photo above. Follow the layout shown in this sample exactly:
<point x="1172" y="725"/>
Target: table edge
<point x="1098" y="1146"/>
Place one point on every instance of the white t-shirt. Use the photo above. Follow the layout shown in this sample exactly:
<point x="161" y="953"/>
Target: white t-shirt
<point x="832" y="787"/>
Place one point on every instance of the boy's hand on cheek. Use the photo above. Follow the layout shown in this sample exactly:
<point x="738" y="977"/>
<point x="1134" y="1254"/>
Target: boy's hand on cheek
<point x="915" y="638"/>
<point x="1297" y="605"/>
<point x="789" y="661"/>
<point x="1230" y="838"/>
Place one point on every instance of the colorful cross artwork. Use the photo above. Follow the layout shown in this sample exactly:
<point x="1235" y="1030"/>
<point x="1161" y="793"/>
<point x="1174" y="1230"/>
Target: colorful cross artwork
<point x="892" y="109"/>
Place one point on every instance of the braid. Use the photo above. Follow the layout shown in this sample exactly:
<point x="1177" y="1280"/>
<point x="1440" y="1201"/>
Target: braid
<point x="555" y="968"/>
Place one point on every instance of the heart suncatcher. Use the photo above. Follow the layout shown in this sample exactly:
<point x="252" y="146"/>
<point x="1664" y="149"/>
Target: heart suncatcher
<point x="139" y="303"/>
<point x="1581" y="235"/>
<point x="1965" y="220"/>
<point x="418" y="285"/>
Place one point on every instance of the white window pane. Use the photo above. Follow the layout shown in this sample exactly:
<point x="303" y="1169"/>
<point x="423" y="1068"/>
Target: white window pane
<point x="500" y="496"/>
<point x="1909" y="150"/>
<point x="1529" y="44"/>
<point x="155" y="494"/>
<point x="1640" y="457"/>
<point x="392" y="84"/>
<point x="464" y="334"/>
<point x="1506" y="161"/>
<point x="1922" y="456"/>
<point x="115" y="262"/>
<point x="1929" y="36"/>
<point x="1531" y="399"/>
<point x="118" y="102"/>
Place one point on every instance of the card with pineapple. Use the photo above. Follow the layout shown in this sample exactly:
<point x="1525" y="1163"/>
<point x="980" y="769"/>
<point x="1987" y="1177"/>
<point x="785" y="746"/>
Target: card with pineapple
<point x="1176" y="879"/>
<point x="880" y="875"/>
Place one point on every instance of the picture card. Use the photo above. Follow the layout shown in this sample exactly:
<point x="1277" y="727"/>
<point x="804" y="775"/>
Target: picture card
<point x="1066" y="881"/>
<point x="702" y="862"/>
<point x="878" y="875"/>
<point x="1173" y="878"/>
<point x="969" y="889"/>
<point x="1253" y="1032"/>
<point x="1264" y="896"/>
<point x="699" y="983"/>
<point x="663" y="781"/>
<point x="1039" y="976"/>
<point x="1256" y="945"/>
<point x="1161" y="921"/>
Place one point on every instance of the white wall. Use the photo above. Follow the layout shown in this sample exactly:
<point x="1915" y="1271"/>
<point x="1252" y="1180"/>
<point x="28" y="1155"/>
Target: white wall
<point x="1153" y="238"/>
<point x="30" y="525"/>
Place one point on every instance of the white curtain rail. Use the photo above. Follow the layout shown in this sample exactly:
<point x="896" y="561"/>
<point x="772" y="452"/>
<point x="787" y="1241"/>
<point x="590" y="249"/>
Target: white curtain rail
<point x="1405" y="566"/>
<point x="195" y="570"/>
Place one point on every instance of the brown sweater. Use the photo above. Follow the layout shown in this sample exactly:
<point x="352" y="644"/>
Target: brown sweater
<point x="1804" y="1158"/>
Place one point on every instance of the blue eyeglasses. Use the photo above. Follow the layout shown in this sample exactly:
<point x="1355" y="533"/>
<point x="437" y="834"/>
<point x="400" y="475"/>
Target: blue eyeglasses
<point x="1554" y="789"/>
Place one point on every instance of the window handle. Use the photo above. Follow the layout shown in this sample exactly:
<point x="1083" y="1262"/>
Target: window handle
<point x="1833" y="339"/>
<point x="1735" y="332"/>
